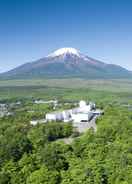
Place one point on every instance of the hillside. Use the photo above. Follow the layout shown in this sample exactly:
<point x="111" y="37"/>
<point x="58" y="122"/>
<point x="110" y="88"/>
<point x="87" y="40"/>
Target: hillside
<point x="67" y="63"/>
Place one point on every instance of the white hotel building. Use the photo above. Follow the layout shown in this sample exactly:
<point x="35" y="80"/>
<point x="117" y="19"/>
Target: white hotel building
<point x="83" y="113"/>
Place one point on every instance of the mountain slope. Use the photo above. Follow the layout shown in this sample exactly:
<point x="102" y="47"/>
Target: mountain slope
<point x="67" y="62"/>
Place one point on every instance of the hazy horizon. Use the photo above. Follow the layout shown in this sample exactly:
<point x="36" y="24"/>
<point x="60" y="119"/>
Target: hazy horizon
<point x="33" y="29"/>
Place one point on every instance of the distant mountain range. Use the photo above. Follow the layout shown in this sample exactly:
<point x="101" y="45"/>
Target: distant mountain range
<point x="67" y="62"/>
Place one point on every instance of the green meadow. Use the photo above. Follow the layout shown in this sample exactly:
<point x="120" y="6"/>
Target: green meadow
<point x="115" y="85"/>
<point x="68" y="89"/>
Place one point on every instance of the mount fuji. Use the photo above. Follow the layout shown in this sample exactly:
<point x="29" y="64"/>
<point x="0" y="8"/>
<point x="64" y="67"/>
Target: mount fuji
<point x="67" y="62"/>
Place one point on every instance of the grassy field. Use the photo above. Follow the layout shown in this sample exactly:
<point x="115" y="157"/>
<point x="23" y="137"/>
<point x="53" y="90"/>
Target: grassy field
<point x="120" y="85"/>
<point x="68" y="89"/>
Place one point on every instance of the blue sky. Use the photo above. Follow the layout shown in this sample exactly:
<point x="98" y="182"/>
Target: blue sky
<point x="31" y="29"/>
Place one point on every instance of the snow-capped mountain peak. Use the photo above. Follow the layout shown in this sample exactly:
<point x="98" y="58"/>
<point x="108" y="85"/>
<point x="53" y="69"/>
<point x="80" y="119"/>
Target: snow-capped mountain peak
<point x="65" y="51"/>
<point x="67" y="62"/>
